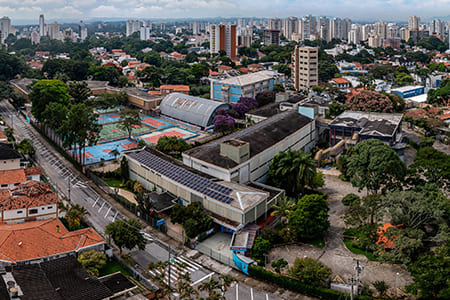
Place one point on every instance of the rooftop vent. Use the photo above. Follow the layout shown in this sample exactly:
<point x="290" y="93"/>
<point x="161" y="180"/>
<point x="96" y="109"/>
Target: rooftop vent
<point x="236" y="150"/>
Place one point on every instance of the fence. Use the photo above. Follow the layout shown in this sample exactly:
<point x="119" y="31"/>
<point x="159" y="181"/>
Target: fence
<point x="138" y="275"/>
<point x="216" y="255"/>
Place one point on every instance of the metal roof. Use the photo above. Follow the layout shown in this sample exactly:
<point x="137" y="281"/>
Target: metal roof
<point x="193" y="110"/>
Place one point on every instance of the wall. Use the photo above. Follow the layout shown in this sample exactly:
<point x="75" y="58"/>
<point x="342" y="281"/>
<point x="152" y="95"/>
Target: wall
<point x="20" y="215"/>
<point x="9" y="164"/>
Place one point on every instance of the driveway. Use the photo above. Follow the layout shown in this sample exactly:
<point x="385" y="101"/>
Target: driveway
<point x="335" y="255"/>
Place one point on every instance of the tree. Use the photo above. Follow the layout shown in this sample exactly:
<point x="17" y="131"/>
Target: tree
<point x="240" y="108"/>
<point x="327" y="70"/>
<point x="431" y="273"/>
<point x="5" y="90"/>
<point x="126" y="234"/>
<point x="369" y="101"/>
<point x="283" y="209"/>
<point x="10" y="66"/>
<point x="172" y="145"/>
<point x="92" y="260"/>
<point x="261" y="248"/>
<point x="108" y="73"/>
<point x="375" y="166"/>
<point x="251" y="103"/>
<point x="406" y="244"/>
<point x="279" y="264"/>
<point x="402" y="79"/>
<point x="129" y="119"/>
<point x="292" y="171"/>
<point x="223" y="123"/>
<point x="124" y="170"/>
<point x="381" y="287"/>
<point x="310" y="271"/>
<point x="75" y="216"/>
<point x="310" y="217"/>
<point x="161" y="269"/>
<point x="47" y="93"/>
<point x="192" y="217"/>
<point x="79" y="91"/>
<point x="264" y="98"/>
<point x="349" y="199"/>
<point x="278" y="88"/>
<point x="433" y="165"/>
<point x="216" y="289"/>
<point x="26" y="147"/>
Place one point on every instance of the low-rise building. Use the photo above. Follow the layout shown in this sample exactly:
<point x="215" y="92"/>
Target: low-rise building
<point x="230" y="204"/>
<point x="245" y="156"/>
<point x="341" y="83"/>
<point x="230" y="90"/>
<point x="408" y="91"/>
<point x="9" y="157"/>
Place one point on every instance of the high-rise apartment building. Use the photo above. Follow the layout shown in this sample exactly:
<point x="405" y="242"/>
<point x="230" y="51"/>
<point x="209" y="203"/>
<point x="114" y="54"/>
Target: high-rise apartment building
<point x="54" y="32"/>
<point x="35" y="37"/>
<point x="223" y="37"/>
<point x="414" y="23"/>
<point x="245" y="37"/>
<point x="5" y="28"/>
<point x="145" y="33"/>
<point x="365" y="30"/>
<point x="436" y="28"/>
<point x="323" y="28"/>
<point x="195" y="27"/>
<point x="381" y="29"/>
<point x="133" y="26"/>
<point x="354" y="36"/>
<point x="271" y="36"/>
<point x="41" y="25"/>
<point x="305" y="63"/>
<point x="276" y="24"/>
<point x="290" y="26"/>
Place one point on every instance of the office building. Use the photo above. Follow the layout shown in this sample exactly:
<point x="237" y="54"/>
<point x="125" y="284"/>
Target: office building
<point x="5" y="28"/>
<point x="414" y="23"/>
<point x="223" y="37"/>
<point x="271" y="36"/>
<point x="305" y="68"/>
<point x="41" y="25"/>
<point x="290" y="26"/>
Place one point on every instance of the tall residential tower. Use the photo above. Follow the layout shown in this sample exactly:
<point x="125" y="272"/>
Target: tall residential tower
<point x="223" y="37"/>
<point x="41" y="25"/>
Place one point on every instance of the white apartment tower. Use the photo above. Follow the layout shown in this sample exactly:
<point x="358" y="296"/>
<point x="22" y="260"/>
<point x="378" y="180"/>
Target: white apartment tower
<point x="354" y="36"/>
<point x="413" y="23"/>
<point x="305" y="61"/>
<point x="5" y="28"/>
<point x="223" y="37"/>
<point x="133" y="26"/>
<point x="381" y="30"/>
<point x="276" y="24"/>
<point x="323" y="28"/>
<point x="53" y="31"/>
<point x="41" y="25"/>
<point x="437" y="28"/>
<point x="290" y="27"/>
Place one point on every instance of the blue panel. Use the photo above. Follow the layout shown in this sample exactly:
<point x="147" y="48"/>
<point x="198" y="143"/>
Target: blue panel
<point x="217" y="87"/>
<point x="234" y="98"/>
<point x="236" y="91"/>
<point x="217" y="95"/>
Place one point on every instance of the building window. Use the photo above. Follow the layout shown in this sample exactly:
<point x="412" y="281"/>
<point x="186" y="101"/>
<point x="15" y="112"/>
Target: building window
<point x="19" y="211"/>
<point x="33" y="211"/>
<point x="4" y="185"/>
<point x="49" y="207"/>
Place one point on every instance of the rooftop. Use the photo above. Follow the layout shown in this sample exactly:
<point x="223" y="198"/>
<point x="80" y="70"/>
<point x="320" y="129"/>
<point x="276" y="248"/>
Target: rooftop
<point x="407" y="88"/>
<point x="23" y="84"/>
<point x="374" y="124"/>
<point x="247" y="79"/>
<point x="7" y="151"/>
<point x="31" y="194"/>
<point x="32" y="240"/>
<point x="234" y="194"/>
<point x="12" y="176"/>
<point x="261" y="136"/>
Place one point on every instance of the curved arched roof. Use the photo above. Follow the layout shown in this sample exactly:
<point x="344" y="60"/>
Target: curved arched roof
<point x="193" y="110"/>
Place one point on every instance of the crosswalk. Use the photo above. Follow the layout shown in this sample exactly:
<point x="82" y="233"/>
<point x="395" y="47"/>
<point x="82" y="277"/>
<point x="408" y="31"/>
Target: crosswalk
<point x="180" y="266"/>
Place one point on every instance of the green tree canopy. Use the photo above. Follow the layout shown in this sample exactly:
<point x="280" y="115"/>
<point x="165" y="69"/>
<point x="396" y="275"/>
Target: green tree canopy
<point x="126" y="234"/>
<point x="79" y="92"/>
<point x="93" y="261"/>
<point x="310" y="217"/>
<point x="310" y="271"/>
<point x="45" y="93"/>
<point x="10" y="66"/>
<point x="129" y="119"/>
<point x="375" y="166"/>
<point x="172" y="145"/>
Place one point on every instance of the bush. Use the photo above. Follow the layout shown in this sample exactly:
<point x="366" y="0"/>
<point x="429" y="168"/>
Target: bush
<point x="296" y="286"/>
<point x="370" y="101"/>
<point x="349" y="199"/>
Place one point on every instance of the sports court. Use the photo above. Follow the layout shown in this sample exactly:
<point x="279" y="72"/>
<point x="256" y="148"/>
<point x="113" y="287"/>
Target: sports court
<point x="152" y="138"/>
<point x="115" y="131"/>
<point x="108" y="118"/>
<point x="155" y="122"/>
<point x="94" y="154"/>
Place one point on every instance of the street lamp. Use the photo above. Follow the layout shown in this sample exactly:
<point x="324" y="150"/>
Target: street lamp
<point x="68" y="189"/>
<point x="396" y="277"/>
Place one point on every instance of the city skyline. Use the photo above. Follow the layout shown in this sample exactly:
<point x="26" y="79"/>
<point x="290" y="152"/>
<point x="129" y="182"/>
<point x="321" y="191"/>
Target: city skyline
<point x="395" y="10"/>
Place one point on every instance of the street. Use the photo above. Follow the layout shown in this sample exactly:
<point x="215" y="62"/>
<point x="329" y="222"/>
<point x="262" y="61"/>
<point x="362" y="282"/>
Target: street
<point x="69" y="184"/>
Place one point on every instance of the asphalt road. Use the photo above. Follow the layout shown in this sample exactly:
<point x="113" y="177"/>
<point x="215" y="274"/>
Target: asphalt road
<point x="101" y="213"/>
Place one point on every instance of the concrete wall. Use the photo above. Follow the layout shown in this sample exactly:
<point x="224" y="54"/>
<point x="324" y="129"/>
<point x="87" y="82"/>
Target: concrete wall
<point x="9" y="164"/>
<point x="20" y="215"/>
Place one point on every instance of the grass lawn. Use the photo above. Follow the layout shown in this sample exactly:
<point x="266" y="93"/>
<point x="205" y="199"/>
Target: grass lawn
<point x="113" y="266"/>
<point x="352" y="249"/>
<point x="112" y="182"/>
<point x="319" y="243"/>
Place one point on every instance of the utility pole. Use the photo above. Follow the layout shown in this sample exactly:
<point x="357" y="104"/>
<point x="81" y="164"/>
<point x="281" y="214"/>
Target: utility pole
<point x="169" y="275"/>
<point x="69" y="188"/>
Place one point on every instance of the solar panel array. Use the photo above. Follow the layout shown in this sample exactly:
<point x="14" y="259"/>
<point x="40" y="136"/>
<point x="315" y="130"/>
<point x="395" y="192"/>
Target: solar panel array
<point x="184" y="177"/>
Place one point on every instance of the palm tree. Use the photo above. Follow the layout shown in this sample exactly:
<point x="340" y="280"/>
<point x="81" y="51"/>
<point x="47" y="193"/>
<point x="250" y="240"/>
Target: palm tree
<point x="114" y="153"/>
<point x="184" y="288"/>
<point x="216" y="289"/>
<point x="293" y="171"/>
<point x="75" y="215"/>
<point x="283" y="209"/>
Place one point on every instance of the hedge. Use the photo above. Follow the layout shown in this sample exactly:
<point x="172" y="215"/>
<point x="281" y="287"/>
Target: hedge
<point x="297" y="286"/>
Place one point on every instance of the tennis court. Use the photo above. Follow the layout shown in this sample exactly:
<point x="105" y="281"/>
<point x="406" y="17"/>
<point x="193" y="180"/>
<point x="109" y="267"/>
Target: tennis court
<point x="152" y="138"/>
<point x="94" y="154"/>
<point x="155" y="122"/>
<point x="115" y="131"/>
<point x="108" y="118"/>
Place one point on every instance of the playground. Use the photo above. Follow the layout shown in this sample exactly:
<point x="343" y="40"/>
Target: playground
<point x="115" y="131"/>
<point x="95" y="154"/>
<point x="153" y="137"/>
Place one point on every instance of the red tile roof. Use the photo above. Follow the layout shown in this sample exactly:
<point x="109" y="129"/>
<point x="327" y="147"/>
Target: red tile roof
<point x="30" y="194"/>
<point x="225" y="68"/>
<point x="174" y="87"/>
<point x="12" y="176"/>
<point x="340" y="80"/>
<point x="33" y="171"/>
<point x="26" y="241"/>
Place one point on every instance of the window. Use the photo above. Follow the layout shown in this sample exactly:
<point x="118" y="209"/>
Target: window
<point x="4" y="185"/>
<point x="49" y="207"/>
<point x="33" y="211"/>
<point x="19" y="211"/>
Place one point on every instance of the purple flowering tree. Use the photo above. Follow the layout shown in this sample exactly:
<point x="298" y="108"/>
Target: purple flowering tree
<point x="240" y="108"/>
<point x="223" y="123"/>
<point x="251" y="103"/>
<point x="369" y="101"/>
<point x="264" y="98"/>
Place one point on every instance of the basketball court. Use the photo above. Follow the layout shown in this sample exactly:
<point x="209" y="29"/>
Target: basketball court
<point x="115" y="131"/>
<point x="155" y="122"/>
<point x="152" y="138"/>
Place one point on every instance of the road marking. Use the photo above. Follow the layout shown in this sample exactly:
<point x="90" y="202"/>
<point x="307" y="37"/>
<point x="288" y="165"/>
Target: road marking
<point x="114" y="218"/>
<point x="95" y="202"/>
<point x="201" y="279"/>
<point x="108" y="211"/>
<point x="237" y="291"/>
<point x="103" y="204"/>
<point x="251" y="293"/>
<point x="188" y="263"/>
<point x="267" y="297"/>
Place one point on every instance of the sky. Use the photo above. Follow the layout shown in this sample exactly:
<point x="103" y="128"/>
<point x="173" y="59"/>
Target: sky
<point x="398" y="10"/>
